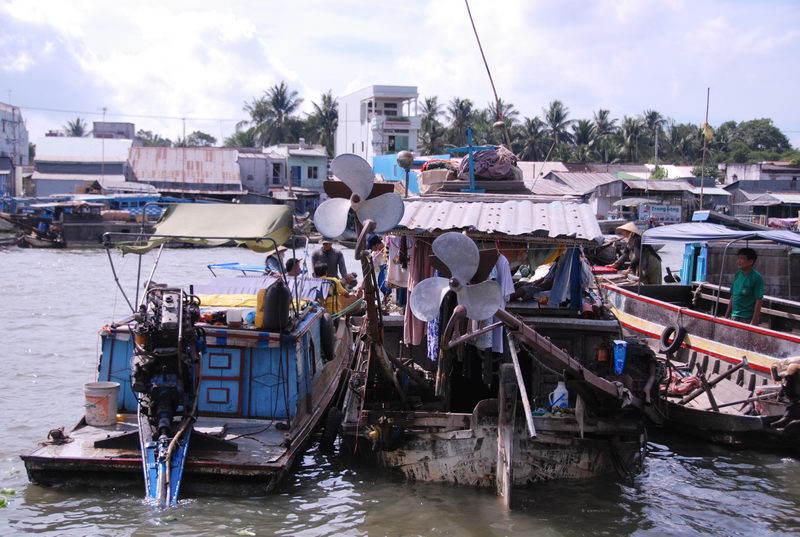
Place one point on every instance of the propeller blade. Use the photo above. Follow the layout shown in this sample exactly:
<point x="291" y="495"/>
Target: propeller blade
<point x="330" y="218"/>
<point x="481" y="300"/>
<point x="337" y="189"/>
<point x="355" y="172"/>
<point x="426" y="298"/>
<point x="459" y="253"/>
<point x="386" y="210"/>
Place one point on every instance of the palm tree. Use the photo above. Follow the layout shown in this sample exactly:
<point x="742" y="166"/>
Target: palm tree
<point x="431" y="129"/>
<point x="653" y="121"/>
<point x="460" y="113"/>
<point x="271" y="115"/>
<point x="510" y="114"/>
<point x="242" y="138"/>
<point x="531" y="139"/>
<point x="555" y="116"/>
<point x="604" y="130"/>
<point x="583" y="132"/>
<point x="77" y="128"/>
<point x="324" y="120"/>
<point x="631" y="133"/>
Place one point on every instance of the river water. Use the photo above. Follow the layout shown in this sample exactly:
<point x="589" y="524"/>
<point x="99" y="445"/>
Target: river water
<point x="52" y="304"/>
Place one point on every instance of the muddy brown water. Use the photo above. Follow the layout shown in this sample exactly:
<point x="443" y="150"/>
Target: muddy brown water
<point x="52" y="304"/>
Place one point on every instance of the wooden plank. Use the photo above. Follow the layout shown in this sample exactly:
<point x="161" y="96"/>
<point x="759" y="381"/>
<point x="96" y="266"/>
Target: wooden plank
<point x="526" y="404"/>
<point x="504" y="477"/>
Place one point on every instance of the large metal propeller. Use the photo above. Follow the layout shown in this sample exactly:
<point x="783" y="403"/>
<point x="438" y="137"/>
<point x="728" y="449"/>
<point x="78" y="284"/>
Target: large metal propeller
<point x="385" y="210"/>
<point x="460" y="254"/>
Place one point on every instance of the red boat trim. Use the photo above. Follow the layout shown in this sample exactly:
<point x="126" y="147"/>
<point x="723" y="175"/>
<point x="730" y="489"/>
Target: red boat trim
<point x="728" y="359"/>
<point x="698" y="315"/>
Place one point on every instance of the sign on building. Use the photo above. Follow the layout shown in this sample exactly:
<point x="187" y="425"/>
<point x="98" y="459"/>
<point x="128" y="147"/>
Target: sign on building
<point x="667" y="214"/>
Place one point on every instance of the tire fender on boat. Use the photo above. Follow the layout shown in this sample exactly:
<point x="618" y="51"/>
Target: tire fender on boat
<point x="327" y="336"/>
<point x="667" y="346"/>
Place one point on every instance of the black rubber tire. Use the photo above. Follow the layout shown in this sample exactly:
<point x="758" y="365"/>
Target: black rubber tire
<point x="669" y="347"/>
<point x="327" y="336"/>
<point x="333" y="421"/>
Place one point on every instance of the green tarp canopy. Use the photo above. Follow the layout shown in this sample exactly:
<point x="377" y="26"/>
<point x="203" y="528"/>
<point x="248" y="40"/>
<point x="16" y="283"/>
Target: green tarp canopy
<point x="214" y="224"/>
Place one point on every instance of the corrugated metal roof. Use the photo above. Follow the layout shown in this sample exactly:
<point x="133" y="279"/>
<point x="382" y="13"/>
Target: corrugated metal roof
<point x="546" y="187"/>
<point x="270" y="155"/>
<point x="583" y="182"/>
<point x="531" y="169"/>
<point x="207" y="165"/>
<point x="308" y="152"/>
<point x="658" y="185"/>
<point x="710" y="191"/>
<point x="515" y="218"/>
<point x="786" y="197"/>
<point x="71" y="149"/>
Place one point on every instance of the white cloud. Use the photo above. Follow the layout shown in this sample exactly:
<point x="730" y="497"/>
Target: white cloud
<point x="205" y="59"/>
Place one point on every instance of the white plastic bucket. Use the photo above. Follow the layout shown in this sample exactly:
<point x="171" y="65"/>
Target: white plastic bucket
<point x="101" y="403"/>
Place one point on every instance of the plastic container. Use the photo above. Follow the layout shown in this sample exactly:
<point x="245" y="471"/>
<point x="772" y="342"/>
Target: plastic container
<point x="620" y="351"/>
<point x="101" y="403"/>
<point x="559" y="398"/>
<point x="234" y="318"/>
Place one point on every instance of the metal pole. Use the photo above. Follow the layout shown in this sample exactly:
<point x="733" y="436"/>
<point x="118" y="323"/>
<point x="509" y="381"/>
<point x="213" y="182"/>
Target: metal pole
<point x="406" y="182"/>
<point x="705" y="150"/>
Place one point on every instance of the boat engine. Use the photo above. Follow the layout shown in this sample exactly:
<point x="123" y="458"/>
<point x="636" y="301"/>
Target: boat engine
<point x="167" y="346"/>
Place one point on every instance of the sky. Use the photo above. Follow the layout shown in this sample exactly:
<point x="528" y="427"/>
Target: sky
<point x="154" y="62"/>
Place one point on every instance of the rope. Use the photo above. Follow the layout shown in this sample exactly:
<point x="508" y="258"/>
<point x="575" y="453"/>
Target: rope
<point x="348" y="309"/>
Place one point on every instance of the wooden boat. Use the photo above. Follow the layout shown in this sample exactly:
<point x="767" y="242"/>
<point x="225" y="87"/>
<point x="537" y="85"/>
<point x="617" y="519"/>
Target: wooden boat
<point x="744" y="403"/>
<point x="34" y="240"/>
<point x="440" y="422"/>
<point x="205" y="405"/>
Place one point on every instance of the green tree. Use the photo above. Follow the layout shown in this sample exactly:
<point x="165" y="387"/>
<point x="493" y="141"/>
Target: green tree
<point x="631" y="137"/>
<point x="530" y="139"/>
<point x="460" y="113"/>
<point x="583" y="132"/>
<point x="77" y="127"/>
<point x="762" y="135"/>
<point x="197" y="139"/>
<point x="605" y="129"/>
<point x="556" y="116"/>
<point x="149" y="139"/>
<point x="272" y="115"/>
<point x="322" y="122"/>
<point x="431" y="129"/>
<point x="242" y="138"/>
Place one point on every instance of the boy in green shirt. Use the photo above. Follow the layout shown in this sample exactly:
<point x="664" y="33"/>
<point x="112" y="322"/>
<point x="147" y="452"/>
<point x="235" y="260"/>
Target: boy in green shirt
<point x="747" y="291"/>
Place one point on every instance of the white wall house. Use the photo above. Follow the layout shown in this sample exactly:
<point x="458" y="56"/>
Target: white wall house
<point x="378" y="120"/>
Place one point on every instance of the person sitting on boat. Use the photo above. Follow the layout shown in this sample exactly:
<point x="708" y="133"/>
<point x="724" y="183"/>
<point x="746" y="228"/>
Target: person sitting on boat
<point x="331" y="258"/>
<point x="338" y="297"/>
<point x="274" y="261"/>
<point x="648" y="267"/>
<point x="292" y="267"/>
<point x="747" y="291"/>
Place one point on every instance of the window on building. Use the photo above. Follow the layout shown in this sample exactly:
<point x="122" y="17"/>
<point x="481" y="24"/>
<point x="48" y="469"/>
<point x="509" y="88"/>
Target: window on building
<point x="277" y="170"/>
<point x="313" y="172"/>
<point x="362" y="145"/>
<point x="249" y="177"/>
<point x="392" y="144"/>
<point x="390" y="105"/>
<point x="401" y="143"/>
<point x="295" y="173"/>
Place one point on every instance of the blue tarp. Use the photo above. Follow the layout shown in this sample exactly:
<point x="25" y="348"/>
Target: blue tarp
<point x="704" y="232"/>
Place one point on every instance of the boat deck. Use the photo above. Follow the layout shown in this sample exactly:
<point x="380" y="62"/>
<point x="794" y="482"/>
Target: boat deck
<point x="259" y="460"/>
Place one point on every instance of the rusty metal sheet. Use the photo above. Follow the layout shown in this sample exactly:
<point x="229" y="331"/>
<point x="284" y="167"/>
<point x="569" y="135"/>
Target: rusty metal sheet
<point x="206" y="165"/>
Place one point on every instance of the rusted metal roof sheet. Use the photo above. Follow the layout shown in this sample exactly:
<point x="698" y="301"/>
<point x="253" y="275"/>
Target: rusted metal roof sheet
<point x="513" y="217"/>
<point x="206" y="165"/>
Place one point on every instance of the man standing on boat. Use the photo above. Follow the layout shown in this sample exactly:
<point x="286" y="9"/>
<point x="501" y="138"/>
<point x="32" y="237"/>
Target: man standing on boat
<point x="331" y="258"/>
<point x="747" y="291"/>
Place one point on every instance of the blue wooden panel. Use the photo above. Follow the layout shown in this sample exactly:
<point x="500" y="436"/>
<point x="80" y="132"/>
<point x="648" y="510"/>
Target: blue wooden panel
<point x="115" y="366"/>
<point x="269" y="394"/>
<point x="222" y="362"/>
<point x="221" y="380"/>
<point x="219" y="396"/>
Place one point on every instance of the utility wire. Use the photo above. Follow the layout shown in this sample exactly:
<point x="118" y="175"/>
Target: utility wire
<point x="138" y="116"/>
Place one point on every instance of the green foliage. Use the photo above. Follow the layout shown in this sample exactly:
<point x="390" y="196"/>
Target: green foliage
<point x="322" y="122"/>
<point x="710" y="171"/>
<point x="77" y="127"/>
<point x="149" y="139"/>
<point x="31" y="152"/>
<point x="658" y="173"/>
<point x="197" y="139"/>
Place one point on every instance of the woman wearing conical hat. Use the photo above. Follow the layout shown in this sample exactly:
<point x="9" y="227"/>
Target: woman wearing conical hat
<point x="648" y="268"/>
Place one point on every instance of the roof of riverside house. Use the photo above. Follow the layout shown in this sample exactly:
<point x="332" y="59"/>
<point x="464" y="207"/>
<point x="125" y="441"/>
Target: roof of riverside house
<point x="191" y="165"/>
<point x="583" y="182"/>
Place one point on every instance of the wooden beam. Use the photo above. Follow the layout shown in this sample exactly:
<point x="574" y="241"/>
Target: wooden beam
<point x="504" y="476"/>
